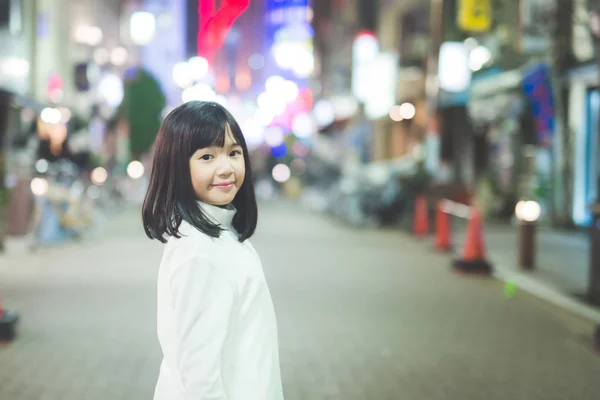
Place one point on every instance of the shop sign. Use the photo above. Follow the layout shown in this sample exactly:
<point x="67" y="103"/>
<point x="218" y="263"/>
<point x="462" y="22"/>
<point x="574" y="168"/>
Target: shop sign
<point x="474" y="15"/>
<point x="538" y="90"/>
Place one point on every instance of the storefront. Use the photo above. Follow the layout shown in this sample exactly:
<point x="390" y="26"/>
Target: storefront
<point x="504" y="160"/>
<point x="584" y="103"/>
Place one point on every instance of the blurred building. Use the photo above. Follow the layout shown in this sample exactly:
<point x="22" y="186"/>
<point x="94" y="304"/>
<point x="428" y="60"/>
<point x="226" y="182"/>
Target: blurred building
<point x="476" y="90"/>
<point x="404" y="29"/>
<point x="583" y="105"/>
<point x="50" y="48"/>
<point x="53" y="53"/>
<point x="490" y="119"/>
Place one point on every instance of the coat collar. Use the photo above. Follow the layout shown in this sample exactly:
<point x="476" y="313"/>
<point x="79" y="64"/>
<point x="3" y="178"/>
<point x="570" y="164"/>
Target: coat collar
<point x="221" y="215"/>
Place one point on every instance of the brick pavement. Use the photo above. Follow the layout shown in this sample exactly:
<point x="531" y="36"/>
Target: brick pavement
<point x="362" y="315"/>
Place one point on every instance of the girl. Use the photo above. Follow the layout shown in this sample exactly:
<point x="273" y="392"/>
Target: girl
<point x="216" y="322"/>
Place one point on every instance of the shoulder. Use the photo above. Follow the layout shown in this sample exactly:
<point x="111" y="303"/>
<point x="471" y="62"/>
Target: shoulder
<point x="190" y="255"/>
<point x="190" y="242"/>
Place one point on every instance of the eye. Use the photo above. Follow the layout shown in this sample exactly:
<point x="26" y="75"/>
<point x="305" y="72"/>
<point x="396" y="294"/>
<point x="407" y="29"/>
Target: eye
<point x="206" y="157"/>
<point x="236" y="153"/>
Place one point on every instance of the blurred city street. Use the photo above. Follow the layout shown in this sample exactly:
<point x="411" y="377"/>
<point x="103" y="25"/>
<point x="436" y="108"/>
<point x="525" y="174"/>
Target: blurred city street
<point x="363" y="314"/>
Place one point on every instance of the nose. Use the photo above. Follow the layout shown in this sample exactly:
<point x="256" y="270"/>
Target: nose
<point x="225" y="168"/>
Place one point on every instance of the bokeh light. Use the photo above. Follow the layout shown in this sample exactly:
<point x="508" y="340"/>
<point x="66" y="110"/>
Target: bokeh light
<point x="135" y="170"/>
<point x="281" y="173"/>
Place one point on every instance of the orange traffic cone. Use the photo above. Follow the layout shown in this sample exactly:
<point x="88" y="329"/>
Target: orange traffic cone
<point x="421" y="221"/>
<point x="442" y="230"/>
<point x="473" y="258"/>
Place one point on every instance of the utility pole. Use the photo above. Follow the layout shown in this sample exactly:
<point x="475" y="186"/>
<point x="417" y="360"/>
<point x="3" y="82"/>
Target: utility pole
<point x="593" y="293"/>
<point x="6" y="109"/>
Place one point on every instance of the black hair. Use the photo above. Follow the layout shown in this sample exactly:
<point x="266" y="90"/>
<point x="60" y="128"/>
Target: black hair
<point x="170" y="197"/>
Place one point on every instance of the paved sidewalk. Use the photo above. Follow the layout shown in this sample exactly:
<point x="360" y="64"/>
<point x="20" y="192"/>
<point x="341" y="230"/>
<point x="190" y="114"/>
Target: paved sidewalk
<point x="562" y="262"/>
<point x="562" y="258"/>
<point x="362" y="314"/>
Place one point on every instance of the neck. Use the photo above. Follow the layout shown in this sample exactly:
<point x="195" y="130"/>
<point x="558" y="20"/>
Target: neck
<point x="220" y="214"/>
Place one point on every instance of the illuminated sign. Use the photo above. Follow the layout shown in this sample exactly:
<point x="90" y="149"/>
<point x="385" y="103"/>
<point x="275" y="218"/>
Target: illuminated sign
<point x="214" y="26"/>
<point x="474" y="15"/>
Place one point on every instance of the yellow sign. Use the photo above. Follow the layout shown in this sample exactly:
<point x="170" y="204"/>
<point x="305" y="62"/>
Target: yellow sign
<point x="474" y="15"/>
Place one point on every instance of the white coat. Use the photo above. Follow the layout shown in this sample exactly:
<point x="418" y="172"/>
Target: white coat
<point x="216" y="321"/>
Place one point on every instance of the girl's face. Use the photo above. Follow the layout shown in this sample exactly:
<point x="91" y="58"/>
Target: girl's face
<point x="218" y="172"/>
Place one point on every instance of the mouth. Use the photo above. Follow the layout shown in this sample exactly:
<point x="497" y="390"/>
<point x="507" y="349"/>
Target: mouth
<point x="226" y="185"/>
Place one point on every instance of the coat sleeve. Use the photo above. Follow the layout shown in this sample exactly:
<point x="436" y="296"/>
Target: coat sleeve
<point x="202" y="302"/>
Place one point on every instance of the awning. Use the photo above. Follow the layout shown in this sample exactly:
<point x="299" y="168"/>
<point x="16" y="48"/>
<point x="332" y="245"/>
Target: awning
<point x="496" y="83"/>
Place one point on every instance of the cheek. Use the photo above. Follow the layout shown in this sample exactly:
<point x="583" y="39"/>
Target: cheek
<point x="240" y="169"/>
<point x="198" y="176"/>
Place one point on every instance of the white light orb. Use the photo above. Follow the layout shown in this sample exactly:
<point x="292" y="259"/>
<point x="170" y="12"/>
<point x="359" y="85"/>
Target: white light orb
<point x="289" y="91"/>
<point x="89" y="35"/>
<point x="264" y="116"/>
<point x="94" y="36"/>
<point x="479" y="57"/>
<point x="303" y="125"/>
<point x="407" y="111"/>
<point x="253" y="133"/>
<point x="200" y="91"/>
<point x="65" y="114"/>
<point x="396" y="114"/>
<point x="135" y="170"/>
<point x="263" y="100"/>
<point x="99" y="175"/>
<point x="118" y="56"/>
<point x="199" y="67"/>
<point x="454" y="74"/>
<point x="39" y="186"/>
<point x="344" y="106"/>
<point x="274" y="136"/>
<point x="101" y="56"/>
<point x="324" y="112"/>
<point x="365" y="48"/>
<point x="470" y="43"/>
<point x="304" y="65"/>
<point x="285" y="55"/>
<point x="281" y="173"/>
<point x="50" y="115"/>
<point x="182" y="74"/>
<point x="111" y="89"/>
<point x="42" y="166"/>
<point x="274" y="84"/>
<point x="222" y="100"/>
<point x="14" y="66"/>
<point x="142" y="27"/>
<point x="271" y="102"/>
<point x="279" y="108"/>
<point x="528" y="211"/>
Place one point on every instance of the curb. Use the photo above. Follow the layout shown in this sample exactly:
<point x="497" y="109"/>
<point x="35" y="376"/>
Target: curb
<point x="548" y="293"/>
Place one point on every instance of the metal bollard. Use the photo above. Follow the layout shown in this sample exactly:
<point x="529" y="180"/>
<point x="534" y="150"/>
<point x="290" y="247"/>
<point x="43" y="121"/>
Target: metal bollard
<point x="527" y="212"/>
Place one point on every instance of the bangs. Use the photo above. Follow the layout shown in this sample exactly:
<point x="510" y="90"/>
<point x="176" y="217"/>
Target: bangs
<point x="213" y="128"/>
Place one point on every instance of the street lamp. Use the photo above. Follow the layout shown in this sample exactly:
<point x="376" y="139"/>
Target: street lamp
<point x="527" y="212"/>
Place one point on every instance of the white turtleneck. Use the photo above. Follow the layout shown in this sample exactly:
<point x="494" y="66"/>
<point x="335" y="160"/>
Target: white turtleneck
<point x="216" y="322"/>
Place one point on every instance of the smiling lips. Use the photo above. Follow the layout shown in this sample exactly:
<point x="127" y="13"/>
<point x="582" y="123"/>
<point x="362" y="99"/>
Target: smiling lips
<point x="226" y="185"/>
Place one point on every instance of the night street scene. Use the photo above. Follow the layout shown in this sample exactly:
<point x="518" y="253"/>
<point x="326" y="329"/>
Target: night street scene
<point x="300" y="199"/>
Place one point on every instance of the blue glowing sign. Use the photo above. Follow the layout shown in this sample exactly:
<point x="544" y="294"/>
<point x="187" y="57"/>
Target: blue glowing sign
<point x="538" y="90"/>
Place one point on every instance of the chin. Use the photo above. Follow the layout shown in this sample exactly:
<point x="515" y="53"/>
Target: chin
<point x="220" y="201"/>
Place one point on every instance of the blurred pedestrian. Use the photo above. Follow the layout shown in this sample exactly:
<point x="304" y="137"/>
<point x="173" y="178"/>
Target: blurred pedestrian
<point x="141" y="111"/>
<point x="216" y="322"/>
